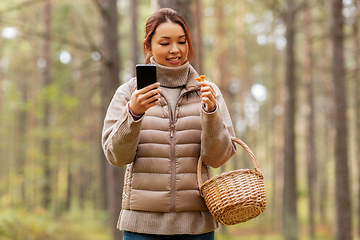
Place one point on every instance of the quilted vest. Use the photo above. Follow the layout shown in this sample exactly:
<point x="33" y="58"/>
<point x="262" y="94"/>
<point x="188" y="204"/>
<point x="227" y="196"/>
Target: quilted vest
<point x="162" y="177"/>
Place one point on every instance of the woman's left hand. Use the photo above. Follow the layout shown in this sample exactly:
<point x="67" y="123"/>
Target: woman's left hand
<point x="208" y="96"/>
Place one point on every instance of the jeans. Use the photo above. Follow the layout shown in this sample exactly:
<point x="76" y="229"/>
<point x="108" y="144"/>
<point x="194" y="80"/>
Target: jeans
<point x="140" y="236"/>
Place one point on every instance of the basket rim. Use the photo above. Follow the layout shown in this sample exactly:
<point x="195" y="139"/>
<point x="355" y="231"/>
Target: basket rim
<point x="226" y="174"/>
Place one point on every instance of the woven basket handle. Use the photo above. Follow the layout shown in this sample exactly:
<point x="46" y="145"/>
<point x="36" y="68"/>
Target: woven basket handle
<point x="248" y="150"/>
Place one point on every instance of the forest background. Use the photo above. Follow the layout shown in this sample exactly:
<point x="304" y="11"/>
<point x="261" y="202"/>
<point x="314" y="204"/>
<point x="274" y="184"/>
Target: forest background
<point x="289" y="71"/>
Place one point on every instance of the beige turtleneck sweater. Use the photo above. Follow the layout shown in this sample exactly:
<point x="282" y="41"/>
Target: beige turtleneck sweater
<point x="170" y="83"/>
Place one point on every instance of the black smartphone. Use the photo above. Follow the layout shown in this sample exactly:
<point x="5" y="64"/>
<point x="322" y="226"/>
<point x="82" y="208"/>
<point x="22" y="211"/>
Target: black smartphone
<point x="145" y="75"/>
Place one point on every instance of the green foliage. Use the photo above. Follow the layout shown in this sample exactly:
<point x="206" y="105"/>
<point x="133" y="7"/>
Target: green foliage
<point x="40" y="225"/>
<point x="20" y="225"/>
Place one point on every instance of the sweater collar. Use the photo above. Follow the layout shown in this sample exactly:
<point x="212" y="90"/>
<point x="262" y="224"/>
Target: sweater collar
<point x="171" y="76"/>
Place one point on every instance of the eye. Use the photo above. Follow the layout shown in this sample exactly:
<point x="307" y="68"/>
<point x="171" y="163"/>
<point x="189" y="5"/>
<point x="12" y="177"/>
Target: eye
<point x="183" y="42"/>
<point x="164" y="44"/>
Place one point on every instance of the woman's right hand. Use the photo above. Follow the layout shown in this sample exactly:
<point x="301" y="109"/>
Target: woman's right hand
<point x="145" y="98"/>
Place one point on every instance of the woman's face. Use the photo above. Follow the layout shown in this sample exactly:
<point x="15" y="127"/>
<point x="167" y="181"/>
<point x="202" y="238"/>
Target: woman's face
<point x="169" y="45"/>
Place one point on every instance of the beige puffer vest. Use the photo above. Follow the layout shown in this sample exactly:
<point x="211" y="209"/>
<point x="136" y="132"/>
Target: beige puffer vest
<point x="162" y="178"/>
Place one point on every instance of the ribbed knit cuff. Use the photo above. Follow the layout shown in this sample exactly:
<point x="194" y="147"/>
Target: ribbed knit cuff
<point x="203" y="106"/>
<point x="135" y="117"/>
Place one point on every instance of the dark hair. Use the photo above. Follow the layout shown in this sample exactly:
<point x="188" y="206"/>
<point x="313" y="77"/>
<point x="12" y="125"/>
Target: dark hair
<point x="161" y="16"/>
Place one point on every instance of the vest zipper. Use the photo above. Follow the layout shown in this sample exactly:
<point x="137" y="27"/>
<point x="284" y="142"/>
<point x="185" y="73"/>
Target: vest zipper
<point x="173" y="167"/>
<point x="173" y="160"/>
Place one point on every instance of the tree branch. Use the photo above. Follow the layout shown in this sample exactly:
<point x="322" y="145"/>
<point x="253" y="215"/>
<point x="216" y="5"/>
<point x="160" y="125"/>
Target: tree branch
<point x="300" y="6"/>
<point x="98" y="4"/>
<point x="101" y="8"/>
<point x="57" y="38"/>
<point x="20" y="6"/>
<point x="85" y="30"/>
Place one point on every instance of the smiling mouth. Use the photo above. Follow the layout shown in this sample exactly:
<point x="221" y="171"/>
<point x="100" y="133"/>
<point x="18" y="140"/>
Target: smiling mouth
<point x="173" y="60"/>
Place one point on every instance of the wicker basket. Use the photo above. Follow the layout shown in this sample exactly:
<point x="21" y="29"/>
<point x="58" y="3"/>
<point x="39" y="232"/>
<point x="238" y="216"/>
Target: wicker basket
<point x="236" y="196"/>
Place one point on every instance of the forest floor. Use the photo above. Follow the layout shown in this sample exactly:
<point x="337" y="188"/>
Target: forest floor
<point x="239" y="232"/>
<point x="87" y="225"/>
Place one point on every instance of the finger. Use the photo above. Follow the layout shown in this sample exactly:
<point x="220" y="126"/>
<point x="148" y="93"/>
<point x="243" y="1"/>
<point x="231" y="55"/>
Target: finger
<point x="154" y="103"/>
<point x="149" y="87"/>
<point x="209" y="105"/>
<point x="209" y="92"/>
<point x="202" y="84"/>
<point x="208" y="89"/>
<point x="208" y="98"/>
<point x="152" y="99"/>
<point x="152" y="92"/>
<point x="206" y="86"/>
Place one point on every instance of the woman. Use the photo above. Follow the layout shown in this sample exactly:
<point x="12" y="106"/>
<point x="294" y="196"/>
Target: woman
<point x="160" y="131"/>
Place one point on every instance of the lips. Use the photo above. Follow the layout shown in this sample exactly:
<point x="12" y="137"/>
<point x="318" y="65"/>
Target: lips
<point x="174" y="59"/>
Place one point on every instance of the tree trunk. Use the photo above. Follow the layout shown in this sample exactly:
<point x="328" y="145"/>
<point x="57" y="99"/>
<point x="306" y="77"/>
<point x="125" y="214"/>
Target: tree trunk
<point x="342" y="193"/>
<point x="357" y="108"/>
<point x="197" y="37"/>
<point x="276" y="139"/>
<point x="276" y="142"/>
<point x="220" y="73"/>
<point x="181" y="6"/>
<point x="110" y="82"/>
<point x="134" y="33"/>
<point x="290" y="218"/>
<point x="220" y="69"/>
<point x="46" y="188"/>
<point x="20" y="152"/>
<point x="323" y="176"/>
<point x="310" y="112"/>
<point x="68" y="187"/>
<point x="104" y="200"/>
<point x="81" y="186"/>
<point x="326" y="154"/>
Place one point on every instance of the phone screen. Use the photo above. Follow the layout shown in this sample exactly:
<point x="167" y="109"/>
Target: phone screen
<point x="145" y="75"/>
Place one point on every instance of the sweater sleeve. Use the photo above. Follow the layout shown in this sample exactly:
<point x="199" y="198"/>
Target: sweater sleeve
<point x="217" y="129"/>
<point x="120" y="134"/>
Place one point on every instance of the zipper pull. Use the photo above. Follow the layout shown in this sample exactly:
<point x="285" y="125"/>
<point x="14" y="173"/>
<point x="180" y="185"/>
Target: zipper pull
<point x="172" y="128"/>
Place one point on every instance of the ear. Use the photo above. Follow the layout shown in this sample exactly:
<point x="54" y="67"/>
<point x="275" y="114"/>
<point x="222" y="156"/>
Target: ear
<point x="148" y="47"/>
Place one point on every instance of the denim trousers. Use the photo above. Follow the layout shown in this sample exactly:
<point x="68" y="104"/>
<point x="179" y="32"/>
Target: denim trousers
<point x="140" y="236"/>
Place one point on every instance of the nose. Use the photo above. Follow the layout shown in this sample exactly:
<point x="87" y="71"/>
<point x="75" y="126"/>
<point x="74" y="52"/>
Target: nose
<point x="174" y="49"/>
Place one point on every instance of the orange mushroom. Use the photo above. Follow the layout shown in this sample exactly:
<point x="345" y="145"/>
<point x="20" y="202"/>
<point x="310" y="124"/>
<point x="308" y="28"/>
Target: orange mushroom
<point x="201" y="78"/>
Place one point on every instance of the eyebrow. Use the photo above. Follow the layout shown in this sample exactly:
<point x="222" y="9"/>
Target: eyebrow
<point x="169" y="37"/>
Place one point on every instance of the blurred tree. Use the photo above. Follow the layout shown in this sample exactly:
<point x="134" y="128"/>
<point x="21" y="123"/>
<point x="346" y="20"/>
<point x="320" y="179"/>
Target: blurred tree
<point x="220" y="70"/>
<point x="326" y="115"/>
<point x="290" y="218"/>
<point x="46" y="189"/>
<point x="134" y="33"/>
<point x="356" y="43"/>
<point x="110" y="82"/>
<point x="105" y="86"/>
<point x="69" y="191"/>
<point x="276" y="141"/>
<point x="196" y="31"/>
<point x="220" y="73"/>
<point x="181" y="6"/>
<point x="22" y="128"/>
<point x="310" y="114"/>
<point x="342" y="192"/>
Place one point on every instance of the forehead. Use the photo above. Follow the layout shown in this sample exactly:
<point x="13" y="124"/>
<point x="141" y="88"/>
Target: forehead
<point x="169" y="29"/>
